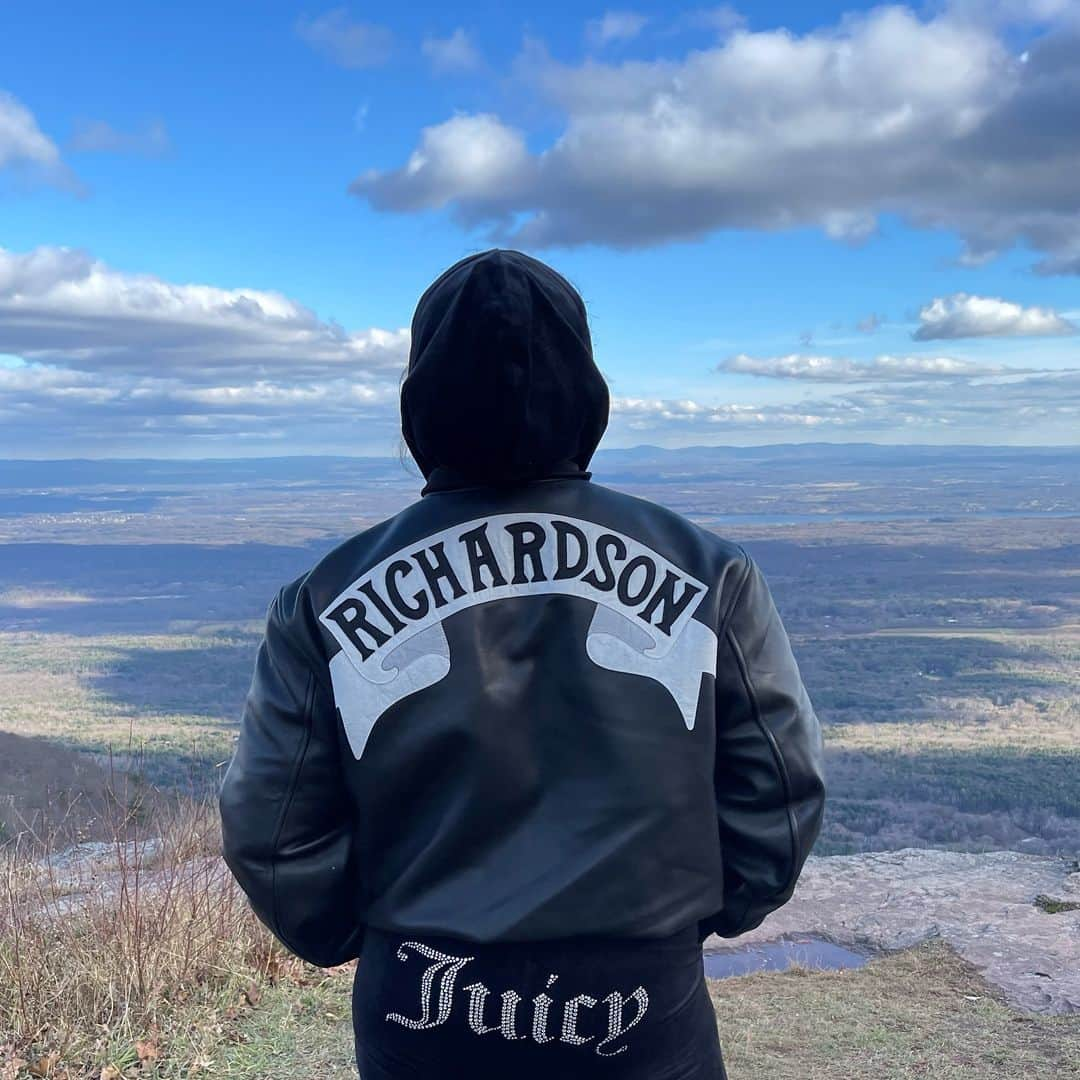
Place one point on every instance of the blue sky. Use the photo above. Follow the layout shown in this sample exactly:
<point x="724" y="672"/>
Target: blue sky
<point x="790" y="222"/>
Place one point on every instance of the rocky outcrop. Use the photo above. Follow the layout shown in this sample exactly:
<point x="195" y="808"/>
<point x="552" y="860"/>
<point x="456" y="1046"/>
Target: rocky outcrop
<point x="983" y="905"/>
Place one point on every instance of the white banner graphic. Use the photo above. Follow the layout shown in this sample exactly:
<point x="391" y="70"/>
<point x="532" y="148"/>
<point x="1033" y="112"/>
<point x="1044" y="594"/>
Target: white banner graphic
<point x="389" y="621"/>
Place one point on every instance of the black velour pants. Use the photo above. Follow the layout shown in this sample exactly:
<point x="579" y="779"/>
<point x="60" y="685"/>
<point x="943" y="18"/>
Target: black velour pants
<point x="439" y="1008"/>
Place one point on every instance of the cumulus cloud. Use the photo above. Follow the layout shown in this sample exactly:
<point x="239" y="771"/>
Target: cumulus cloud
<point x="456" y="53"/>
<point x="106" y="356"/>
<point x="932" y="118"/>
<point x="97" y="136"/>
<point x="346" y="42"/>
<point x="615" y="26"/>
<point x="964" y="316"/>
<point x="843" y="369"/>
<point x="61" y="306"/>
<point x="24" y="147"/>
<point x="476" y="159"/>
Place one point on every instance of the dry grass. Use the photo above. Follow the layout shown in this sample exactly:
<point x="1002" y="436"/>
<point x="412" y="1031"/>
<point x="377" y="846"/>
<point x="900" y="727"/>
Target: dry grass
<point x="146" y="963"/>
<point x="924" y="1014"/>
<point x="136" y="955"/>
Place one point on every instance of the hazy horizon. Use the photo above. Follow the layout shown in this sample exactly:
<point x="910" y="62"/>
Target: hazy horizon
<point x="643" y="446"/>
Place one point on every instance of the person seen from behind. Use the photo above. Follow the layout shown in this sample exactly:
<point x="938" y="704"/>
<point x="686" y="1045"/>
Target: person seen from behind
<point x="523" y="746"/>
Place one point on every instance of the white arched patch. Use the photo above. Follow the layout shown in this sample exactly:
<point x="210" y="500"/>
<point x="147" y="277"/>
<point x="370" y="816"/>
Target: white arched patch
<point x="388" y="622"/>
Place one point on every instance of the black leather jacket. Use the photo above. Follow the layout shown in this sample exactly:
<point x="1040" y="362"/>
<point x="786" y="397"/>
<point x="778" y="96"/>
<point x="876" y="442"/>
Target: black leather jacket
<point x="522" y="711"/>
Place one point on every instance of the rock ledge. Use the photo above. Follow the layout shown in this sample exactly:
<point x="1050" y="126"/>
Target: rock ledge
<point x="981" y="904"/>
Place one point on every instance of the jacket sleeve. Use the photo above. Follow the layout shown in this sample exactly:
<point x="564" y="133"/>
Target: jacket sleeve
<point x="286" y="825"/>
<point x="770" y="789"/>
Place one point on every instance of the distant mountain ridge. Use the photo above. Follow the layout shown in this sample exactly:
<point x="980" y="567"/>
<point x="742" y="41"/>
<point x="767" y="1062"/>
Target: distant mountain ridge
<point x="607" y="465"/>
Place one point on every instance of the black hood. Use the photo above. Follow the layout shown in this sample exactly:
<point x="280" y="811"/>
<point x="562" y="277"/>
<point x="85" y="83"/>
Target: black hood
<point x="501" y="385"/>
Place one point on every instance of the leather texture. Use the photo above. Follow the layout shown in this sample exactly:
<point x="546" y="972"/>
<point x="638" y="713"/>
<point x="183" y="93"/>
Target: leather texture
<point x="530" y="793"/>
<point x="528" y="707"/>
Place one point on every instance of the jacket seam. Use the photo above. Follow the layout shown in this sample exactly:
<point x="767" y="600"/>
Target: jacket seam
<point x="778" y="759"/>
<point x="313" y="663"/>
<point x="739" y="589"/>
<point x="290" y="793"/>
<point x="725" y="619"/>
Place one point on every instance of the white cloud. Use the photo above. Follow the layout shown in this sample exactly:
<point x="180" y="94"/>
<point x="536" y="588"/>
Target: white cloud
<point x="845" y="370"/>
<point x="456" y="53"/>
<point x="1036" y="408"/>
<point x="649" y="413"/>
<point x="109" y="357"/>
<point x="59" y="306"/>
<point x="346" y="42"/>
<point x="25" y="147"/>
<point x="935" y="119"/>
<point x="97" y="136"/>
<point x="476" y="159"/>
<point x="964" y="316"/>
<point x="52" y="410"/>
<point x="615" y="26"/>
<point x="113" y="362"/>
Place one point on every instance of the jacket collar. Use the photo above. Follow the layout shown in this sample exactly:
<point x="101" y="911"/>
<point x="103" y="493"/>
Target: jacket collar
<point x="445" y="478"/>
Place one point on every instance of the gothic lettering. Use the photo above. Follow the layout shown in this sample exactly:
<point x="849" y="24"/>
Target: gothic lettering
<point x="581" y="1021"/>
<point x="413" y="590"/>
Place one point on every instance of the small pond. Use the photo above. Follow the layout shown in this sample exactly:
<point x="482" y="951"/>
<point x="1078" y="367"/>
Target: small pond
<point x="807" y="952"/>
